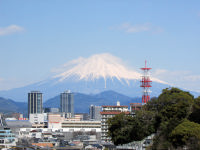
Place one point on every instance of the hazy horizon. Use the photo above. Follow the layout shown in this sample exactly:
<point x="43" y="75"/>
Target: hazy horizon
<point x="39" y="36"/>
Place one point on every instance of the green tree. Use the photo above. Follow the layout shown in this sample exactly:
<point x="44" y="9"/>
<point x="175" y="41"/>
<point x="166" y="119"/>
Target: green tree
<point x="143" y="125"/>
<point x="119" y="128"/>
<point x="194" y="116"/>
<point x="124" y="129"/>
<point x="171" y="107"/>
<point x="161" y="116"/>
<point x="187" y="134"/>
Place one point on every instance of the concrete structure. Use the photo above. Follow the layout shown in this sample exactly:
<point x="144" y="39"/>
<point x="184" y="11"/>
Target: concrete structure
<point x="82" y="125"/>
<point x="63" y="133"/>
<point x="34" y="102"/>
<point x="85" y="116"/>
<point x="18" y="124"/>
<point x="55" y="120"/>
<point x="109" y="112"/>
<point x="77" y="117"/>
<point x="37" y="120"/>
<point x="67" y="102"/>
<point x="95" y="112"/>
<point x="7" y="138"/>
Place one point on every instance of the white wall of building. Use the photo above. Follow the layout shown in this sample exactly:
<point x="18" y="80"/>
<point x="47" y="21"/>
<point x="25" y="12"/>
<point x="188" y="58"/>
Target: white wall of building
<point x="36" y="118"/>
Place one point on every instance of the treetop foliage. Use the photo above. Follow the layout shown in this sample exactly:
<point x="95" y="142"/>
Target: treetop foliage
<point x="167" y="116"/>
<point x="186" y="133"/>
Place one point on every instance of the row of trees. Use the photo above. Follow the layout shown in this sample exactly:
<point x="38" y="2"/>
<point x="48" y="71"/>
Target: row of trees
<point x="173" y="117"/>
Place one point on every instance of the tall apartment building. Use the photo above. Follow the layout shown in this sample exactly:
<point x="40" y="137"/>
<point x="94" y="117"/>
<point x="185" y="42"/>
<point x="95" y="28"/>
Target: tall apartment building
<point x="109" y="112"/>
<point x="35" y="102"/>
<point x="35" y="109"/>
<point x="67" y="102"/>
<point x="95" y="112"/>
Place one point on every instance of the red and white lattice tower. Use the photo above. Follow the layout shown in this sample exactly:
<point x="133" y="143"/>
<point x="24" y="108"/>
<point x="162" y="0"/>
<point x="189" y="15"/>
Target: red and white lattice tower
<point x="146" y="83"/>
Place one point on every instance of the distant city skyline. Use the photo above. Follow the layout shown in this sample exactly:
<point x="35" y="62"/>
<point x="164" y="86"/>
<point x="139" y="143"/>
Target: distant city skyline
<point x="39" y="36"/>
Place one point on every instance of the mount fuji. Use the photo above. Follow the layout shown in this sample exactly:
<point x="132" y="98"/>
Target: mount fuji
<point x="98" y="73"/>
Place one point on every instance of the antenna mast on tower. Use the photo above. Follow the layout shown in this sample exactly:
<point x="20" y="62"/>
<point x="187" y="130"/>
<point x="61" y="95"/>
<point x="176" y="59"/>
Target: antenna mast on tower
<point x="146" y="83"/>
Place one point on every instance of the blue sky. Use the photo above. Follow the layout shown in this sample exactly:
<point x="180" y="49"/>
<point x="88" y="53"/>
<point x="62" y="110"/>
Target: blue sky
<point x="37" y="36"/>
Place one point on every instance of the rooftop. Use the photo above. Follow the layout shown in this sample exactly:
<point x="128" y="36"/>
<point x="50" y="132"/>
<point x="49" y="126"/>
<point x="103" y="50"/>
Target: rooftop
<point x="113" y="106"/>
<point x="113" y="113"/>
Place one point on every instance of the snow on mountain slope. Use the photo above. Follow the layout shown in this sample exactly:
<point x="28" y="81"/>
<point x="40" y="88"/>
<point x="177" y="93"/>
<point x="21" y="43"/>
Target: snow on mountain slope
<point x="91" y="75"/>
<point x="99" y="66"/>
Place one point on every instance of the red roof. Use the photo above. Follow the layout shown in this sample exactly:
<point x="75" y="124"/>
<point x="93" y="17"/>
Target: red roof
<point x="43" y="144"/>
<point x="113" y="113"/>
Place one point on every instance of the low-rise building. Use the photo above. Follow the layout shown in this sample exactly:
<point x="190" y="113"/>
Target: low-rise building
<point x="37" y="120"/>
<point x="85" y="116"/>
<point x="55" y="120"/>
<point x="82" y="125"/>
<point x="7" y="138"/>
<point x="77" y="117"/>
<point x="135" y="106"/>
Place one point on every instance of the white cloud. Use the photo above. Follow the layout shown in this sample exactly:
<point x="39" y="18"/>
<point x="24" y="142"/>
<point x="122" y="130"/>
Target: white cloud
<point x="192" y="78"/>
<point x="159" y="72"/>
<point x="129" y="28"/>
<point x="182" y="79"/>
<point x="10" y="30"/>
<point x="168" y="73"/>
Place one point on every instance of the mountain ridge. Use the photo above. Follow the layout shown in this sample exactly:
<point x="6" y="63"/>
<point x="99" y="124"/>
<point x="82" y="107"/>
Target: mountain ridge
<point x="95" y="74"/>
<point x="81" y="102"/>
<point x="10" y="106"/>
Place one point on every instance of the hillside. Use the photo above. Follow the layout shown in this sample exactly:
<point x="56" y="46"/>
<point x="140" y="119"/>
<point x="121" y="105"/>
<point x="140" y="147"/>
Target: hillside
<point x="10" y="106"/>
<point x="83" y="101"/>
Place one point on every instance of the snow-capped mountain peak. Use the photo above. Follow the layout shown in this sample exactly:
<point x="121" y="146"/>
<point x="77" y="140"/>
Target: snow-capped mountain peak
<point x="98" y="73"/>
<point x="99" y="66"/>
